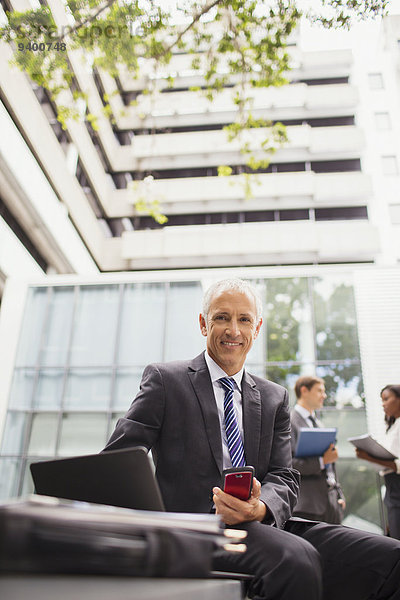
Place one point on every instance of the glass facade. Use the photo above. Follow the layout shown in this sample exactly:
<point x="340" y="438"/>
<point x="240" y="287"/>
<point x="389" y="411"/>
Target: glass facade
<point x="82" y="350"/>
<point x="312" y="328"/>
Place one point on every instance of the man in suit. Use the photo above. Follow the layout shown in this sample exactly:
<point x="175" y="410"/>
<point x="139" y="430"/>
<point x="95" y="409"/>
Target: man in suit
<point x="179" y="413"/>
<point x="321" y="497"/>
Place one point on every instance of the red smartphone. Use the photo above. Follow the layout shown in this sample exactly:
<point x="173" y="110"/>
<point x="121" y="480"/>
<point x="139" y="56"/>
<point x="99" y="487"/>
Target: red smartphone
<point x="238" y="482"/>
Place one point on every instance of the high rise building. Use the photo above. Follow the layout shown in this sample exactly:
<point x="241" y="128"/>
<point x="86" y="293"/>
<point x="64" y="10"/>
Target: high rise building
<point x="87" y="276"/>
<point x="337" y="177"/>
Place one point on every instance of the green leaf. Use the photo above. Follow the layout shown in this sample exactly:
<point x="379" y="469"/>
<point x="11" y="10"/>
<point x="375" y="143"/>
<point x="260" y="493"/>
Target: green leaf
<point x="224" y="171"/>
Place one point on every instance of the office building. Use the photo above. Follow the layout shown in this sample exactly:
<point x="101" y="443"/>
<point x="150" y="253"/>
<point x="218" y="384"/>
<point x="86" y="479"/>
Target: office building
<point x="94" y="289"/>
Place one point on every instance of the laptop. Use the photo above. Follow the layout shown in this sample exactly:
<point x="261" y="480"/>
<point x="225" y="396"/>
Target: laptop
<point x="122" y="478"/>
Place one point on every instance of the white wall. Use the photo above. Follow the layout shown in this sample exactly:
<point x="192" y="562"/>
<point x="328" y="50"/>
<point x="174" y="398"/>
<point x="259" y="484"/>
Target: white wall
<point x="377" y="294"/>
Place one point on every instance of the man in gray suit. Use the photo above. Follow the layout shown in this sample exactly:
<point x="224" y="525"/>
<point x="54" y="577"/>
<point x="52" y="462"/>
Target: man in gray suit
<point x="321" y="497"/>
<point x="179" y="413"/>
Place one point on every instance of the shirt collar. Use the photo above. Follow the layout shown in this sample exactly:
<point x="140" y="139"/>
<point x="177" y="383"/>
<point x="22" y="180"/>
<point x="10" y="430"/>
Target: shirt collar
<point x="216" y="372"/>
<point x="304" y="412"/>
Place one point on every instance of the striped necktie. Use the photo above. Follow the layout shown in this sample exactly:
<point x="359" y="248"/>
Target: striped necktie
<point x="235" y="443"/>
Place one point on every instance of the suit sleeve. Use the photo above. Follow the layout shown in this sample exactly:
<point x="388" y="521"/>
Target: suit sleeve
<point x="142" y="423"/>
<point x="280" y="486"/>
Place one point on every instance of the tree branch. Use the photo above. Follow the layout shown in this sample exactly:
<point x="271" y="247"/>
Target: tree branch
<point x="196" y="18"/>
<point x="90" y="19"/>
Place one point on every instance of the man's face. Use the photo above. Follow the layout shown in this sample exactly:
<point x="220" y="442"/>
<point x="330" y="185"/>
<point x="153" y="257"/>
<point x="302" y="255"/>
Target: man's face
<point x="231" y="329"/>
<point x="313" y="399"/>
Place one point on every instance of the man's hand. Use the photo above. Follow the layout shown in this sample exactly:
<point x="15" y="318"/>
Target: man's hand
<point x="234" y="511"/>
<point x="330" y="455"/>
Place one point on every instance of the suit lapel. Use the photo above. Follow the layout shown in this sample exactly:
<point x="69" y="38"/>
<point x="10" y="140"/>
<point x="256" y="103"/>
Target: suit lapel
<point x="202" y="385"/>
<point x="201" y="382"/>
<point x="251" y="419"/>
<point x="303" y="421"/>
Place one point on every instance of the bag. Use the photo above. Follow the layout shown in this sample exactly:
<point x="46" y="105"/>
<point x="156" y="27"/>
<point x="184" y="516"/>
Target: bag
<point x="45" y="535"/>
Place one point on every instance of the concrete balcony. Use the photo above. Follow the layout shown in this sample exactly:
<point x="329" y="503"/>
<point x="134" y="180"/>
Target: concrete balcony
<point x="188" y="108"/>
<point x="252" y="243"/>
<point x="329" y="63"/>
<point x="325" y="63"/>
<point x="211" y="148"/>
<point x="270" y="191"/>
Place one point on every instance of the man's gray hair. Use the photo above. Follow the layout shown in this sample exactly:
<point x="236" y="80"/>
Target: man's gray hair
<point x="231" y="285"/>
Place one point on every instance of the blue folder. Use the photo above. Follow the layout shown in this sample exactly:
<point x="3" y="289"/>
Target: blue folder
<point x="315" y="441"/>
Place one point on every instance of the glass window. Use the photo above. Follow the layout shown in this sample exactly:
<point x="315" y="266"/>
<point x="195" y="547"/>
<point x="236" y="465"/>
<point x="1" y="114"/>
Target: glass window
<point x="389" y="165"/>
<point x="349" y="423"/>
<point x="95" y="325"/>
<point x="341" y="213"/>
<point x="360" y="484"/>
<point x="286" y="375"/>
<point x="295" y="214"/>
<point x="27" y="482"/>
<point x="9" y="472"/>
<point x="336" y="166"/>
<point x="126" y="387"/>
<point x="142" y="324"/>
<point x="114" y="419"/>
<point x="257" y="354"/>
<point x="31" y="332"/>
<point x="57" y="329"/>
<point x="382" y="121"/>
<point x="43" y="435"/>
<point x="22" y="389"/>
<point x="82" y="434"/>
<point x="258" y="216"/>
<point x="335" y="319"/>
<point x="375" y="81"/>
<point x="290" y="335"/>
<point x="49" y="389"/>
<point x="183" y="338"/>
<point x="344" y="384"/>
<point x="88" y="389"/>
<point x="14" y="433"/>
<point x="254" y="369"/>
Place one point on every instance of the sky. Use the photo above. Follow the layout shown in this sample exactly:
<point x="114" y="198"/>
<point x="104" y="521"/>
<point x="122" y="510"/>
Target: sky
<point x="316" y="37"/>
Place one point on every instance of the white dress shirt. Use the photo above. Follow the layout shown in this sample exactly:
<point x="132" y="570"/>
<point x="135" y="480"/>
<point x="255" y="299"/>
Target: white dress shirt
<point x="216" y="373"/>
<point x="391" y="441"/>
<point x="305" y="414"/>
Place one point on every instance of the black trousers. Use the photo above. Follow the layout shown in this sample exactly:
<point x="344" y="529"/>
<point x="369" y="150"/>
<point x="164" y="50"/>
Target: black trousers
<point x="393" y="514"/>
<point x="314" y="561"/>
<point x="392" y="502"/>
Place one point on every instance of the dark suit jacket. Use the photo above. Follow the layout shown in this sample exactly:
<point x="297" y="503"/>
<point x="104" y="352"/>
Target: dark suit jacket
<point x="175" y="415"/>
<point x="314" y="497"/>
